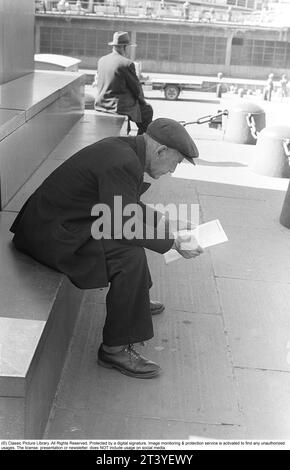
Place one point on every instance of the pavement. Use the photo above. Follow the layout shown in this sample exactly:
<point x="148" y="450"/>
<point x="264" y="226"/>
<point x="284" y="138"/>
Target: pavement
<point x="223" y="341"/>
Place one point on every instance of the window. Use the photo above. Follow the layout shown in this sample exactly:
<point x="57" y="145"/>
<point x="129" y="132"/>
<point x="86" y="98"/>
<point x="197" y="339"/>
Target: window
<point x="175" y="49"/>
<point x="102" y="39"/>
<point x="186" y="48"/>
<point x="261" y="53"/>
<point x="164" y="47"/>
<point x="141" y="39"/>
<point x="45" y="45"/>
<point x="198" y="49"/>
<point x="152" y="46"/>
<point x="237" y="42"/>
<point x="91" y="43"/>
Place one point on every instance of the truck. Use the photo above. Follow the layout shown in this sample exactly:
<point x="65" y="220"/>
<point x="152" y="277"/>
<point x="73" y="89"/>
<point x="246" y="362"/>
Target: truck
<point x="171" y="85"/>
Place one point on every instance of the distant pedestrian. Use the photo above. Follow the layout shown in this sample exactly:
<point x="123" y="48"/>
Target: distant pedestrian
<point x="149" y="8"/>
<point x="63" y="6"/>
<point x="201" y="15"/>
<point x="40" y="6"/>
<point x="229" y="14"/>
<point x="264" y="14"/>
<point x="219" y="87"/>
<point x="121" y="4"/>
<point x="140" y="9"/>
<point x="267" y="94"/>
<point x="283" y="84"/>
<point x="161" y="7"/>
<point x="212" y="14"/>
<point x="186" y="9"/>
<point x="78" y="7"/>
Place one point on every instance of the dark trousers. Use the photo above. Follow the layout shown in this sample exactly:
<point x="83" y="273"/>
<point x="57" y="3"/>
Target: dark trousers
<point x="146" y="118"/>
<point x="267" y="94"/>
<point x="128" y="317"/>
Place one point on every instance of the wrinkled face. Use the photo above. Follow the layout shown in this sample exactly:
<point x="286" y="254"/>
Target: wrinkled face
<point x="163" y="160"/>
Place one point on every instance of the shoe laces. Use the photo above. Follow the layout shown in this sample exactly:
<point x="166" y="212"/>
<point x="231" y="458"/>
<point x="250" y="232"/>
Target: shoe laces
<point x="133" y="354"/>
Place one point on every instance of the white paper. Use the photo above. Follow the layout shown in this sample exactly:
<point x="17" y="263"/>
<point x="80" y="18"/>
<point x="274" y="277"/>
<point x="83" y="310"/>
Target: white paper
<point x="206" y="235"/>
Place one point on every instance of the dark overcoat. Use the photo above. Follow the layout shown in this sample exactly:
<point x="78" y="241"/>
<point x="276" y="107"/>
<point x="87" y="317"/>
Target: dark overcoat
<point x="118" y="87"/>
<point x="55" y="225"/>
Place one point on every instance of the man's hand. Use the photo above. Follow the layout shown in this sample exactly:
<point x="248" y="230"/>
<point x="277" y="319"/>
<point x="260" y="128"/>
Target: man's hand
<point x="187" y="246"/>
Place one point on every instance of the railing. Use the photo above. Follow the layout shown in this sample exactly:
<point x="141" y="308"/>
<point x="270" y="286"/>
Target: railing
<point x="154" y="11"/>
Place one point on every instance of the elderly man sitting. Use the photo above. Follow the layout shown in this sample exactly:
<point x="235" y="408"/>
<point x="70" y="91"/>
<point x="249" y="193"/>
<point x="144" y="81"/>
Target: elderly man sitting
<point x="77" y="222"/>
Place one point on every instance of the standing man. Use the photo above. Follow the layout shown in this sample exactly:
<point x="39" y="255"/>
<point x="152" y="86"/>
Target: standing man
<point x="118" y="87"/>
<point x="149" y="8"/>
<point x="284" y="84"/>
<point x="267" y="94"/>
<point x="62" y="226"/>
<point x="229" y="14"/>
<point x="63" y="6"/>
<point x="219" y="87"/>
<point x="186" y="9"/>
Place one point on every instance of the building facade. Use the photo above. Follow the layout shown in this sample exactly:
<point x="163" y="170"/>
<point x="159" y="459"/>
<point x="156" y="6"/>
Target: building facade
<point x="237" y="50"/>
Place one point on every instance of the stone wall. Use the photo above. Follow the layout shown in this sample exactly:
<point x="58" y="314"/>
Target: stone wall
<point x="16" y="38"/>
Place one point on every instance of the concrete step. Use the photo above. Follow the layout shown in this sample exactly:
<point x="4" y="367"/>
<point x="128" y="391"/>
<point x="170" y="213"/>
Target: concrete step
<point x="36" y="112"/>
<point x="38" y="311"/>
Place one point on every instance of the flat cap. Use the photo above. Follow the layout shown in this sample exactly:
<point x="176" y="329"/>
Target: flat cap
<point x="174" y="135"/>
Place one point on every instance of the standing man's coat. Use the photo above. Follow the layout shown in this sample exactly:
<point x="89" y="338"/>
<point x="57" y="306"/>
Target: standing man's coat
<point x="118" y="87"/>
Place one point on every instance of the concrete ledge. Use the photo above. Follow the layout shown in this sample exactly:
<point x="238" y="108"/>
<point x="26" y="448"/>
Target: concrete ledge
<point x="39" y="308"/>
<point x="36" y="112"/>
<point x="23" y="98"/>
<point x="56" y="62"/>
<point x="10" y="120"/>
<point x="35" y="91"/>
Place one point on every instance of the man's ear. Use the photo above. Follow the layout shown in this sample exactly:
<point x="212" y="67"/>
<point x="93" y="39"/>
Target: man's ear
<point x="160" y="149"/>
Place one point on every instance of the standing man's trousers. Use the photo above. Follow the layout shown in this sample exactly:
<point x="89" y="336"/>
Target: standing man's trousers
<point x="128" y="318"/>
<point x="146" y="118"/>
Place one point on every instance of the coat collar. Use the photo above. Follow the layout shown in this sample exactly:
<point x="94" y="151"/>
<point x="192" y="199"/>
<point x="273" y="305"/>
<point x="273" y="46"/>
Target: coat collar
<point x="141" y="150"/>
<point x="138" y="145"/>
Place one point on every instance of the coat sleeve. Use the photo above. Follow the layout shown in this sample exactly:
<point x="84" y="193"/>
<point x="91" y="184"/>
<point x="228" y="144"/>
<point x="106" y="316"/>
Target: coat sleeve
<point x="133" y="82"/>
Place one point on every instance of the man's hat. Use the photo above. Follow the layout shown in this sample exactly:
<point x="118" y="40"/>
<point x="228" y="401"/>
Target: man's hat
<point x="172" y="134"/>
<point x="121" y="38"/>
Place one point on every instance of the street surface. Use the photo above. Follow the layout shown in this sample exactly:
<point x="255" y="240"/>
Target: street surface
<point x="223" y="341"/>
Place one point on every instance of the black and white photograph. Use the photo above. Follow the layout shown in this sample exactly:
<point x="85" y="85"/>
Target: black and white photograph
<point x="144" y="227"/>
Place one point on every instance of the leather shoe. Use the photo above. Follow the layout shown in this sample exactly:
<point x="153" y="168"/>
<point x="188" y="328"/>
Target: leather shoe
<point x="156" y="307"/>
<point x="128" y="362"/>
